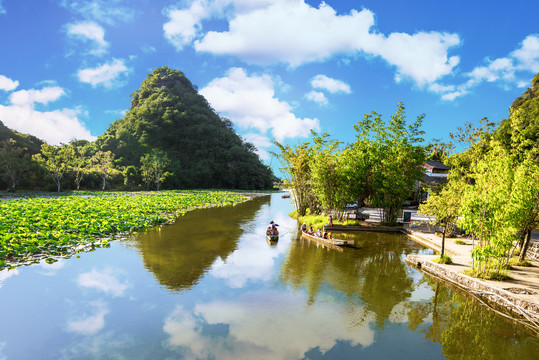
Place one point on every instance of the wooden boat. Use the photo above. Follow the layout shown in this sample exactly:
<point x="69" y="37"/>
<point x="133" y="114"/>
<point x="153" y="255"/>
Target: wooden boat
<point x="272" y="238"/>
<point x="337" y="242"/>
<point x="286" y="196"/>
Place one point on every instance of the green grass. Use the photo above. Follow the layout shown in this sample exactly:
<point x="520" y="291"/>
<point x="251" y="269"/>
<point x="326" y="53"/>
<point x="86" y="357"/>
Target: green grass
<point x="443" y="260"/>
<point x="57" y="226"/>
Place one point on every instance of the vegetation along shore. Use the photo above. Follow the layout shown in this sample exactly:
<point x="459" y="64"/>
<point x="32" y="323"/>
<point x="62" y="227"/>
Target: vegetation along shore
<point x="36" y="228"/>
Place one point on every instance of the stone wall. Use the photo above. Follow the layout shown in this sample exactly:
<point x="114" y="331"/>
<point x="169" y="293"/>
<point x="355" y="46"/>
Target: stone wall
<point x="533" y="251"/>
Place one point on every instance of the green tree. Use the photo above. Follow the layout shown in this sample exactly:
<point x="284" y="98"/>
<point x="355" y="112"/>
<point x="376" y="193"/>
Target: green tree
<point x="394" y="157"/>
<point x="13" y="160"/>
<point x="54" y="160"/>
<point x="154" y="167"/>
<point x="296" y="167"/>
<point x="102" y="163"/>
<point x="444" y="205"/>
<point x="78" y="157"/>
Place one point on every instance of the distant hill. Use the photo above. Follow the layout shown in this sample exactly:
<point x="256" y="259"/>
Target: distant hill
<point x="168" y="114"/>
<point x="31" y="143"/>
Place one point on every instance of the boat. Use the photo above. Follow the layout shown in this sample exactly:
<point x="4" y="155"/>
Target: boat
<point x="330" y="241"/>
<point x="286" y="196"/>
<point x="272" y="239"/>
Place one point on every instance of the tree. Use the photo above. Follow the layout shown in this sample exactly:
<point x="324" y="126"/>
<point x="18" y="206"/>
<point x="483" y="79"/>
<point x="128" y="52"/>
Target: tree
<point x="296" y="166"/>
<point x="55" y="161"/>
<point x="77" y="154"/>
<point x="103" y="164"/>
<point x="13" y="160"/>
<point x="391" y="160"/>
<point x="154" y="166"/>
<point x="444" y="205"/>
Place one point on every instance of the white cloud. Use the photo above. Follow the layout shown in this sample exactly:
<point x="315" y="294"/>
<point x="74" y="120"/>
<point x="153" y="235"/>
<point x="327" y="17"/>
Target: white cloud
<point x="7" y="84"/>
<point x="109" y="281"/>
<point x="90" y="324"/>
<point x="89" y="31"/>
<point x="317" y="97"/>
<point x="261" y="142"/>
<point x="104" y="11"/>
<point x="54" y="127"/>
<point x="108" y="75"/>
<point x="184" y="24"/>
<point x="527" y="57"/>
<point x="329" y="84"/>
<point x="2" y="10"/>
<point x="250" y="102"/>
<point x="30" y="97"/>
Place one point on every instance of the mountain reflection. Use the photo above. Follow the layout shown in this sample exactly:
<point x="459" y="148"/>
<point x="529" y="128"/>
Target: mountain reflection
<point x="179" y="254"/>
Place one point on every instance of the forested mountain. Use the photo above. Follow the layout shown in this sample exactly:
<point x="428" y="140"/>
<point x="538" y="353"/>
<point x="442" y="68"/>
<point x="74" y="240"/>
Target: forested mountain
<point x="169" y="116"/>
<point x="29" y="142"/>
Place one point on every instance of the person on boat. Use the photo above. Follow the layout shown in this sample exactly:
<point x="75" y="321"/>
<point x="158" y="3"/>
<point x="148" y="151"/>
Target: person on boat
<point x="318" y="233"/>
<point x="311" y="231"/>
<point x="325" y="236"/>
<point x="330" y="220"/>
<point x="304" y="227"/>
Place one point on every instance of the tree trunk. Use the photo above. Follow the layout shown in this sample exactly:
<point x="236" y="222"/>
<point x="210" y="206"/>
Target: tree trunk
<point x="443" y="242"/>
<point x="524" y="248"/>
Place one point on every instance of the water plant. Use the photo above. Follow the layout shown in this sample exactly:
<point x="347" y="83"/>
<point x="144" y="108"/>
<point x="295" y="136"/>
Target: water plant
<point x="35" y="228"/>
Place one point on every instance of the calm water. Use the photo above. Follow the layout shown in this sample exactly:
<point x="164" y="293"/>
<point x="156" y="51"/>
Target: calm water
<point x="211" y="287"/>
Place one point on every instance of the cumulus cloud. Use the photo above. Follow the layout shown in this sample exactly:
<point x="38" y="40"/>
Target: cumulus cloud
<point x="7" y="84"/>
<point x="261" y="142"/>
<point x="308" y="34"/>
<point x="104" y="11"/>
<point x="89" y="32"/>
<point x="109" y="75"/>
<point x="250" y="102"/>
<point x="54" y="126"/>
<point x="332" y="85"/>
<point x="184" y="24"/>
<point x="317" y="97"/>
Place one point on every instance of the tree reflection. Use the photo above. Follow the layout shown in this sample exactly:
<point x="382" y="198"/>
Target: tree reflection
<point x="179" y="254"/>
<point x="373" y="276"/>
<point x="468" y="330"/>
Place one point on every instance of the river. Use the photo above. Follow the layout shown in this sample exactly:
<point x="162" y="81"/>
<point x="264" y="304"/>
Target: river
<point x="211" y="287"/>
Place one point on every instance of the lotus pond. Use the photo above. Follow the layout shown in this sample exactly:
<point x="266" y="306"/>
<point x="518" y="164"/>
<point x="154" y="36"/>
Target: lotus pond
<point x="209" y="286"/>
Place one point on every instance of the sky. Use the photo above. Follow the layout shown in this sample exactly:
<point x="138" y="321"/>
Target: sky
<point x="275" y="68"/>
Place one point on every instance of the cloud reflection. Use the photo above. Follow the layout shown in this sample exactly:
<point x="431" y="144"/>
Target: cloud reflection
<point x="254" y="261"/>
<point x="265" y="325"/>
<point x="109" y="281"/>
<point x="6" y="274"/>
<point x="90" y="324"/>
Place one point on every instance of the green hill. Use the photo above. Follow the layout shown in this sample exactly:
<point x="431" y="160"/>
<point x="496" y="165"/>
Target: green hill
<point x="31" y="143"/>
<point x="168" y="114"/>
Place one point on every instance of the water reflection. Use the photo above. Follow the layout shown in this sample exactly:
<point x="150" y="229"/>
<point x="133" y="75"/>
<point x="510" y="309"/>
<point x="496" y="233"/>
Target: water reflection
<point x="179" y="254"/>
<point x="374" y="273"/>
<point x="262" y="325"/>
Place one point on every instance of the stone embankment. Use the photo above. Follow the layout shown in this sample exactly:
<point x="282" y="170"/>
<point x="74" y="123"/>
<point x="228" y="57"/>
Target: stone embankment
<point x="519" y="295"/>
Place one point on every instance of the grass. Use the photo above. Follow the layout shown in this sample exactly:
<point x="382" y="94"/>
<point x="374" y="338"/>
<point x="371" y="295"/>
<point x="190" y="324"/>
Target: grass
<point x="443" y="260"/>
<point x="500" y="275"/>
<point x="460" y="242"/>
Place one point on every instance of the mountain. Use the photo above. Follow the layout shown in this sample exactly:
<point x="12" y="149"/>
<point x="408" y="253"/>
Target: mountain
<point x="29" y="142"/>
<point x="169" y="115"/>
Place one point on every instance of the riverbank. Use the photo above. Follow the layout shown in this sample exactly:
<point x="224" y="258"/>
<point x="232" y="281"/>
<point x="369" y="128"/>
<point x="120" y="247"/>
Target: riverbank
<point x="518" y="295"/>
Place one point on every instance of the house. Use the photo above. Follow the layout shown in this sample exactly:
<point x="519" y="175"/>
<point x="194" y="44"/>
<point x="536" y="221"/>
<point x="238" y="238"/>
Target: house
<point x="435" y="174"/>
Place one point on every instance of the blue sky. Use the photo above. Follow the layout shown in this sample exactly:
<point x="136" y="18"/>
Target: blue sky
<point x="276" y="68"/>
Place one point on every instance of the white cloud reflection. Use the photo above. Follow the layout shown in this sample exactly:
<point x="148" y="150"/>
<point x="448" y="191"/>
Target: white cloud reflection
<point x="253" y="261"/>
<point x="110" y="281"/>
<point x="6" y="274"/>
<point x="90" y="324"/>
<point x="265" y="325"/>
